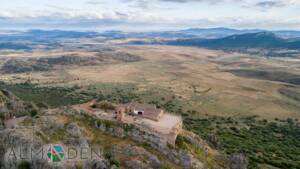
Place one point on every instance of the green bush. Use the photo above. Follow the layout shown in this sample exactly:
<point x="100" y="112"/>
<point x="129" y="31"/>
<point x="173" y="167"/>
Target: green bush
<point x="24" y="165"/>
<point x="105" y="105"/>
<point x="52" y="96"/>
<point x="33" y="113"/>
<point x="167" y="167"/>
<point x="276" y="144"/>
<point x="180" y="142"/>
<point x="79" y="167"/>
<point x="115" y="162"/>
<point x="108" y="155"/>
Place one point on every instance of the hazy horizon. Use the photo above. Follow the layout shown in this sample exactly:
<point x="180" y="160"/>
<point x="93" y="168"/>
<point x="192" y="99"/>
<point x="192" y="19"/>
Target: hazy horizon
<point x="139" y="30"/>
<point x="145" y="15"/>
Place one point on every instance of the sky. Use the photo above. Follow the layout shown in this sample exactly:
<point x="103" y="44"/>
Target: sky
<point x="149" y="15"/>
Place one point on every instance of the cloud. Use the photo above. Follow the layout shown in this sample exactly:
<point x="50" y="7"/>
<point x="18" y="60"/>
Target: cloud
<point x="267" y="4"/>
<point x="182" y="1"/>
<point x="94" y="2"/>
<point x="138" y="22"/>
<point x="187" y="1"/>
<point x="135" y="14"/>
<point x="142" y="4"/>
<point x="270" y="4"/>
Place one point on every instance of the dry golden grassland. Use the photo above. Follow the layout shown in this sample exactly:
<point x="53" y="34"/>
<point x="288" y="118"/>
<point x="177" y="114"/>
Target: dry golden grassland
<point x="199" y="77"/>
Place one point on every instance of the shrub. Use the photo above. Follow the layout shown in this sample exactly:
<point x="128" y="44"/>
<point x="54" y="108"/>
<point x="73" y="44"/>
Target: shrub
<point x="272" y="143"/>
<point x="167" y="167"/>
<point x="115" y="162"/>
<point x="108" y="155"/>
<point x="180" y="142"/>
<point x="79" y="167"/>
<point x="105" y="105"/>
<point x="24" y="165"/>
<point x="33" y="113"/>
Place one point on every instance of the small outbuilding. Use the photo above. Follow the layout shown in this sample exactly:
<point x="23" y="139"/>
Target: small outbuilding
<point x="144" y="110"/>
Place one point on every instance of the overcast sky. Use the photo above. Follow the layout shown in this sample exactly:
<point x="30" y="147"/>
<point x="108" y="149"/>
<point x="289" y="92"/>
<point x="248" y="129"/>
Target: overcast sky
<point x="144" y="15"/>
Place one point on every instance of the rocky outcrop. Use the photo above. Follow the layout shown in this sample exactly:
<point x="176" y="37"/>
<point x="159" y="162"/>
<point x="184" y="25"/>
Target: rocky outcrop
<point x="74" y="136"/>
<point x="70" y="134"/>
<point x="238" y="161"/>
<point x="16" y="146"/>
<point x="1" y="124"/>
<point x="40" y="164"/>
<point x="134" y="152"/>
<point x="11" y="105"/>
<point x="73" y="130"/>
<point x="195" y="140"/>
<point x="137" y="164"/>
<point x="128" y="130"/>
<point x="179" y="157"/>
<point x="97" y="164"/>
<point x="213" y="139"/>
<point x="189" y="161"/>
<point x="183" y="158"/>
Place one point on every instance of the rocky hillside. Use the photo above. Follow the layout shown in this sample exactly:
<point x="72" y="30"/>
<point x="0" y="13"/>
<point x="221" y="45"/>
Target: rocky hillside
<point x="117" y="152"/>
<point x="121" y="146"/>
<point x="11" y="105"/>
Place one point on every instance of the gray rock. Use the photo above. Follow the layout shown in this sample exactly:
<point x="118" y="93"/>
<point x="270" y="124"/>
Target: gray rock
<point x="96" y="164"/>
<point x="136" y="164"/>
<point x="238" y="161"/>
<point x="40" y="164"/>
<point x="1" y="124"/>
<point x="134" y="151"/>
<point x="73" y="130"/>
<point x="119" y="132"/>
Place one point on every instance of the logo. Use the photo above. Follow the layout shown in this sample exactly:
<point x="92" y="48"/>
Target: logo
<point x="56" y="153"/>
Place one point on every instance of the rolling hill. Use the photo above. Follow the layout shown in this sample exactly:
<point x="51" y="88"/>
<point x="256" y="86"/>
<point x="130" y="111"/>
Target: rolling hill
<point x="266" y="40"/>
<point x="14" y="46"/>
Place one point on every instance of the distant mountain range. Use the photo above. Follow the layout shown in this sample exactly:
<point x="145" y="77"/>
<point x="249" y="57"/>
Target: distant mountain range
<point x="248" y="40"/>
<point x="209" y="33"/>
<point x="217" y="38"/>
<point x="205" y="33"/>
<point x="223" y="32"/>
<point x="46" y="34"/>
<point x="14" y="46"/>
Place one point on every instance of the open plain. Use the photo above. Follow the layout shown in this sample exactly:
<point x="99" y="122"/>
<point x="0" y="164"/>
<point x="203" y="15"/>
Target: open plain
<point x="206" y="82"/>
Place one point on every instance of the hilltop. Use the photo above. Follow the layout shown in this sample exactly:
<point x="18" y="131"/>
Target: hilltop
<point x="250" y="40"/>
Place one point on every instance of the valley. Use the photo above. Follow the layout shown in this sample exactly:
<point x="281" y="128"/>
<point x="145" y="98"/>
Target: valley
<point x="205" y="81"/>
<point x="234" y="103"/>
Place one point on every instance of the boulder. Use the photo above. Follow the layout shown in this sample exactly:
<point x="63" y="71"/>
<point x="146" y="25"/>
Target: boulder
<point x="97" y="164"/>
<point x="133" y="151"/>
<point x="136" y="164"/>
<point x="238" y="161"/>
<point x="73" y="130"/>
